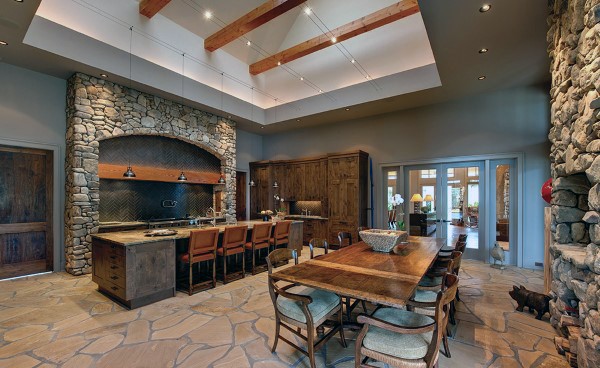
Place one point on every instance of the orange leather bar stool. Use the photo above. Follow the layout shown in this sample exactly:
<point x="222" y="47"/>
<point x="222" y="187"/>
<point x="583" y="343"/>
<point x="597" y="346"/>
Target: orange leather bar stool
<point x="281" y="234"/>
<point x="202" y="247"/>
<point x="261" y="233"/>
<point x="234" y="238"/>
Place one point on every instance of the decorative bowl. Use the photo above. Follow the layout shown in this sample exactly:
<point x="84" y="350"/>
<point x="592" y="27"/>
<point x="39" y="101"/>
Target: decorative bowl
<point x="383" y="240"/>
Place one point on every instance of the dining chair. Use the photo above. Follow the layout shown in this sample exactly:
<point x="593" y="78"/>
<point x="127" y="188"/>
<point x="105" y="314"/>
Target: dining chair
<point x="425" y="298"/>
<point x="318" y="243"/>
<point x="304" y="308"/>
<point x="345" y="239"/>
<point x="281" y="234"/>
<point x="402" y="338"/>
<point x="261" y="233"/>
<point x="460" y="247"/>
<point x="449" y="248"/>
<point x="234" y="239"/>
<point x="202" y="247"/>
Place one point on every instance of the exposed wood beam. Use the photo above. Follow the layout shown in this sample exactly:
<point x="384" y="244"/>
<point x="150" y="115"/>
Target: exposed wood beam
<point x="149" y="8"/>
<point x="249" y="21"/>
<point x="365" y="24"/>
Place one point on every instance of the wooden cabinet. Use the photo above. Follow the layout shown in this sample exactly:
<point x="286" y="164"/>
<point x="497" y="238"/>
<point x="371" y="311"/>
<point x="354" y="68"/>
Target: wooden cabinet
<point x="134" y="275"/>
<point x="315" y="180"/>
<point x="260" y="194"/>
<point x="314" y="228"/>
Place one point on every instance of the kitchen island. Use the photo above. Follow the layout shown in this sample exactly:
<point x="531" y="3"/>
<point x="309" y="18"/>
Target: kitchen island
<point x="135" y="269"/>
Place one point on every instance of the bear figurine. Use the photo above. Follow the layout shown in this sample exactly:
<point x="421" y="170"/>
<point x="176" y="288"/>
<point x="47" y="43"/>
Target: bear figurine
<point x="534" y="301"/>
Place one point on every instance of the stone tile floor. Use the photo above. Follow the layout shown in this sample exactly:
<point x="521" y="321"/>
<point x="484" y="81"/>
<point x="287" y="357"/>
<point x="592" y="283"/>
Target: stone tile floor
<point x="57" y="320"/>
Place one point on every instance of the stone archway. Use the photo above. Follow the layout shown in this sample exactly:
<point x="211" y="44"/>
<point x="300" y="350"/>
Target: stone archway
<point x="99" y="109"/>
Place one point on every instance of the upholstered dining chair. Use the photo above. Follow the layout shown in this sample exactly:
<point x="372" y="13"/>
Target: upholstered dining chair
<point x="202" y="247"/>
<point x="234" y="239"/>
<point x="303" y="308"/>
<point x="281" y="234"/>
<point x="402" y="338"/>
<point x="261" y="233"/>
<point x="425" y="297"/>
<point x="448" y="248"/>
<point x="317" y="243"/>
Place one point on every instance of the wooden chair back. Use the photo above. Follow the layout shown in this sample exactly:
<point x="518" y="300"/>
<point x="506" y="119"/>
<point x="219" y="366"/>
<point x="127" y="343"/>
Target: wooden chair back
<point x="442" y="310"/>
<point x="203" y="241"/>
<point x="462" y="237"/>
<point x="460" y="246"/>
<point x="345" y="239"/>
<point x="280" y="255"/>
<point x="317" y="243"/>
<point x="282" y="230"/>
<point x="234" y="236"/>
<point x="261" y="233"/>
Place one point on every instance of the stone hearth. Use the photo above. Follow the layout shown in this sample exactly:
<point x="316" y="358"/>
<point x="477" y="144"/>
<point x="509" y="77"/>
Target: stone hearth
<point x="98" y="110"/>
<point x="574" y="48"/>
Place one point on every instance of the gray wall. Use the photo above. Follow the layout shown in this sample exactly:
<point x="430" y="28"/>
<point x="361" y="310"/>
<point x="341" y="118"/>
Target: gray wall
<point x="249" y="148"/>
<point x="32" y="114"/>
<point x="515" y="120"/>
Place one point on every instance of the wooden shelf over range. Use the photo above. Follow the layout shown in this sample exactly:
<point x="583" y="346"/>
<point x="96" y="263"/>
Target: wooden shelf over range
<point x="147" y="173"/>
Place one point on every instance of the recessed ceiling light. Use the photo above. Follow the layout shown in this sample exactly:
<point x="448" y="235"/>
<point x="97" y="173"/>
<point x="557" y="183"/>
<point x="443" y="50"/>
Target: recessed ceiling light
<point x="207" y="14"/>
<point x="307" y="11"/>
<point x="347" y="109"/>
<point x="301" y="78"/>
<point x="19" y="1"/>
<point x="228" y="116"/>
<point x="481" y="77"/>
<point x="485" y="7"/>
<point x="353" y="61"/>
<point x="104" y="75"/>
<point x="262" y="127"/>
<point x="3" y="43"/>
<point x="368" y="77"/>
<point x="333" y="39"/>
<point x="248" y="43"/>
<point x="297" y="119"/>
<point x="483" y="50"/>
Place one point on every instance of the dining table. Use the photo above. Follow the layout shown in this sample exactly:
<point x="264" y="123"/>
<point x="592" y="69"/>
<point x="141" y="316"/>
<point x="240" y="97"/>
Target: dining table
<point x="359" y="272"/>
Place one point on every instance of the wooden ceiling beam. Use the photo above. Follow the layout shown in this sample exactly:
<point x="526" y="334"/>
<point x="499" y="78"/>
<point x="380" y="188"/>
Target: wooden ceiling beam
<point x="149" y="8"/>
<point x="249" y="21"/>
<point x="357" y="27"/>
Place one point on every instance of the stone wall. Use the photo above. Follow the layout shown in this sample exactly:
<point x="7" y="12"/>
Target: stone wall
<point x="574" y="39"/>
<point x="97" y="110"/>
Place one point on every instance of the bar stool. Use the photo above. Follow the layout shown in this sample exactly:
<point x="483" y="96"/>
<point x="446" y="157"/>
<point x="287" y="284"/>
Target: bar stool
<point x="234" y="238"/>
<point x="261" y="233"/>
<point x="280" y="234"/>
<point x="202" y="247"/>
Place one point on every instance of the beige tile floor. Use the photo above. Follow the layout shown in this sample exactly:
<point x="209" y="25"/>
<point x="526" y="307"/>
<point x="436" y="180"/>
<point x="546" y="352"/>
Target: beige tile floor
<point x="57" y="320"/>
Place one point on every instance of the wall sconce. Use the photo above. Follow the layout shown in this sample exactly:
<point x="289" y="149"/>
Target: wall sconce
<point x="221" y="180"/>
<point x="182" y="177"/>
<point x="252" y="183"/>
<point x="417" y="199"/>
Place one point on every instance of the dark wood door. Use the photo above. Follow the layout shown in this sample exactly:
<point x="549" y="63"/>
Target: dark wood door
<point x="240" y="196"/>
<point x="26" y="239"/>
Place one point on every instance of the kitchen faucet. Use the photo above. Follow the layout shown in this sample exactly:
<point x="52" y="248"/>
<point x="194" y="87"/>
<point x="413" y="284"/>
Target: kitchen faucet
<point x="213" y="222"/>
<point x="305" y="212"/>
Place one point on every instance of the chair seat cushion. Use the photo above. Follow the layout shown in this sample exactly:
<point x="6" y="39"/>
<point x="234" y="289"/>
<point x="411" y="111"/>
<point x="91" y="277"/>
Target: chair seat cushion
<point x="447" y="249"/>
<point x="425" y="296"/>
<point x="403" y="346"/>
<point x="257" y="245"/>
<point x="430" y="281"/>
<point x="279" y="241"/>
<point x="230" y="251"/>
<point x="197" y="257"/>
<point x="323" y="302"/>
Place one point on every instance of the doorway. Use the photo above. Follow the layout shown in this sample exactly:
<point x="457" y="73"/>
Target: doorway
<point x="448" y="197"/>
<point x="26" y="204"/>
<point x="240" y="195"/>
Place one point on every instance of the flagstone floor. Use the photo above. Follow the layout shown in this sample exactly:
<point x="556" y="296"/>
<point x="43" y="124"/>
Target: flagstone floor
<point x="57" y="320"/>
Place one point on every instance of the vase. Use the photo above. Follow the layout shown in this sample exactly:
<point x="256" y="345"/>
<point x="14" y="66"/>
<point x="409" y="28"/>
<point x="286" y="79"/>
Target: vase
<point x="265" y="217"/>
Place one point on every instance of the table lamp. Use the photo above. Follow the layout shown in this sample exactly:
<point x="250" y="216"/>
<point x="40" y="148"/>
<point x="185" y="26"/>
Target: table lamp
<point x="417" y="199"/>
<point x="428" y="198"/>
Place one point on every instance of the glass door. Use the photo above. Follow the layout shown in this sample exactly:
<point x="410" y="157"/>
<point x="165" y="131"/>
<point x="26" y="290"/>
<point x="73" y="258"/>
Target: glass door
<point x="446" y="200"/>
<point x="503" y="194"/>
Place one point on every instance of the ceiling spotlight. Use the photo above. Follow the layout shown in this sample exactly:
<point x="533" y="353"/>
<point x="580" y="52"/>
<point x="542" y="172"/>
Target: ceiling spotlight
<point x="483" y="50"/>
<point x="353" y="61"/>
<point x="481" y="77"/>
<point x="3" y="43"/>
<point x="301" y="78"/>
<point x="320" y="91"/>
<point x="19" y="1"/>
<point x="368" y="76"/>
<point x="278" y="63"/>
<point x="347" y="109"/>
<point x="333" y="40"/>
<point x="248" y="43"/>
<point x="228" y="116"/>
<point x="485" y="8"/>
<point x="207" y="14"/>
<point x="307" y="11"/>
<point x="262" y="127"/>
<point x="104" y="75"/>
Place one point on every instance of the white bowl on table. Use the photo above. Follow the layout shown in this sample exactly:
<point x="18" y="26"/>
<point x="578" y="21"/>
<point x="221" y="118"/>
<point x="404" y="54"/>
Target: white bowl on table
<point x="383" y="240"/>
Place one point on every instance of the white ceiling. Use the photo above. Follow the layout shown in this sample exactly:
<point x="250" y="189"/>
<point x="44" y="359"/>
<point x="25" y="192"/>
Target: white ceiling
<point x="91" y="36"/>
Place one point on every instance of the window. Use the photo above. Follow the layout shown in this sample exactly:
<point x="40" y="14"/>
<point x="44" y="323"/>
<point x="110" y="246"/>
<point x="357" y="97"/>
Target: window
<point x="428" y="174"/>
<point x="473" y="171"/>
<point x="473" y="195"/>
<point x="425" y="190"/>
<point x="451" y="172"/>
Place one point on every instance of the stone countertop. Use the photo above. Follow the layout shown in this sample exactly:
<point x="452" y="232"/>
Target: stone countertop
<point x="305" y="217"/>
<point x="139" y="237"/>
<point x="113" y="224"/>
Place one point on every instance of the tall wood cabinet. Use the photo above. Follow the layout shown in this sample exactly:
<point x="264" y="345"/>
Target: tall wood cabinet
<point x="339" y="181"/>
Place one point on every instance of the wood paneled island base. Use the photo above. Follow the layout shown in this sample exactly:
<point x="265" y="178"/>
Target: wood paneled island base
<point x="359" y="272"/>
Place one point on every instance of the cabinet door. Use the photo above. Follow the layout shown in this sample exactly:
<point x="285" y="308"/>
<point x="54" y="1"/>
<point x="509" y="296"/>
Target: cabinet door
<point x="150" y="268"/>
<point x="280" y="175"/>
<point x="99" y="264"/>
<point x="299" y="180"/>
<point x="313" y="181"/>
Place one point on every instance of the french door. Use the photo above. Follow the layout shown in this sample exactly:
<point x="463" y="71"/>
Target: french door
<point x="445" y="200"/>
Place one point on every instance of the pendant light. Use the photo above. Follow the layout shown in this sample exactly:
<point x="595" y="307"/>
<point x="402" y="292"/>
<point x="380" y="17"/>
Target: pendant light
<point x="275" y="184"/>
<point x="129" y="173"/>
<point x="252" y="184"/>
<point x="221" y="180"/>
<point x="182" y="177"/>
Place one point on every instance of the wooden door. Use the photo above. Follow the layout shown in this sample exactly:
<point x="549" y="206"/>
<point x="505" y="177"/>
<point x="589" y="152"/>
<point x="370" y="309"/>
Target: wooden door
<point x="240" y="195"/>
<point x="26" y="239"/>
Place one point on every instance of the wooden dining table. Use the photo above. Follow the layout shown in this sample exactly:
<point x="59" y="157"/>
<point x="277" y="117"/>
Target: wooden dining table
<point x="359" y="272"/>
